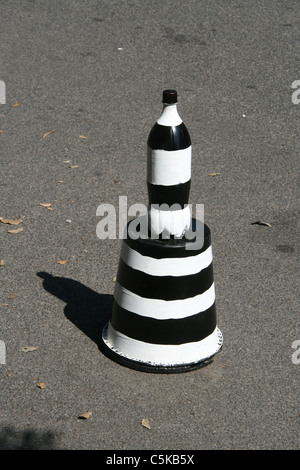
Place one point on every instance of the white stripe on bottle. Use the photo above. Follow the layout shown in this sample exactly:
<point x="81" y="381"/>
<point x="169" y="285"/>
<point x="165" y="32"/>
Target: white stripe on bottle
<point x="175" y="222"/>
<point x="169" y="168"/>
<point x="169" y="116"/>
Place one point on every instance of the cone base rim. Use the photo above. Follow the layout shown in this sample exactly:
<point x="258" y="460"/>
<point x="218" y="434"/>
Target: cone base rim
<point x="154" y="368"/>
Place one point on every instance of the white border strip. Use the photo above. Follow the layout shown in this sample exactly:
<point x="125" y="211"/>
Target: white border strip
<point x="163" y="354"/>
<point x="168" y="168"/>
<point x="166" y="266"/>
<point x="164" y="309"/>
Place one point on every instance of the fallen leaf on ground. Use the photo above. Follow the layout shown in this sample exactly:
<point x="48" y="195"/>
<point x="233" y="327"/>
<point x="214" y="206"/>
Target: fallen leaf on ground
<point x="45" y="204"/>
<point x="28" y="349"/>
<point x="145" y="423"/>
<point x="49" y="132"/>
<point x="85" y="415"/>
<point x="11" y="221"/>
<point x="82" y="137"/>
<point x="73" y="166"/>
<point x="15" y="104"/>
<point x="259" y="222"/>
<point x="41" y="385"/>
<point x="2" y="262"/>
<point x="60" y="181"/>
<point x="17" y="230"/>
<point x="214" y="174"/>
<point x="1" y="132"/>
<point x="63" y="261"/>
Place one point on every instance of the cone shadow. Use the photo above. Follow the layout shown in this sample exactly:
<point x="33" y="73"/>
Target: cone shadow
<point x="85" y="308"/>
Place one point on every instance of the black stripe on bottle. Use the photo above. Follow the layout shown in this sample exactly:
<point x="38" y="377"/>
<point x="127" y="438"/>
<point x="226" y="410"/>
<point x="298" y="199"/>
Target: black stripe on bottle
<point x="164" y="287"/>
<point x="169" y="137"/>
<point x="171" y="331"/>
<point x="168" y="248"/>
<point x="175" y="194"/>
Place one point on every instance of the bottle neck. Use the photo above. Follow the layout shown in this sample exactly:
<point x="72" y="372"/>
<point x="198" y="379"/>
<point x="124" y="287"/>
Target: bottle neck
<point x="169" y="116"/>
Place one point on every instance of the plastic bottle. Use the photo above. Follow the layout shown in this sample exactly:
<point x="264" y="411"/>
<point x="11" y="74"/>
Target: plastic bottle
<point x="169" y="172"/>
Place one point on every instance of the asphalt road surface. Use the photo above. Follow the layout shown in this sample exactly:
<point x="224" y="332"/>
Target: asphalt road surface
<point x="83" y="85"/>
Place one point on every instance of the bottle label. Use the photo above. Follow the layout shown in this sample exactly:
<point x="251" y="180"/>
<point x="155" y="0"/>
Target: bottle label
<point x="169" y="168"/>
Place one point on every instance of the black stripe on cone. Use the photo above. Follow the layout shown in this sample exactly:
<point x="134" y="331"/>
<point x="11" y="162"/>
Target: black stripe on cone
<point x="171" y="331"/>
<point x="164" y="287"/>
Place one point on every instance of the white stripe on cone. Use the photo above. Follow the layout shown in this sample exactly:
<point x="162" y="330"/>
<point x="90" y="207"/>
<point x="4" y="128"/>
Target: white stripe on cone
<point x="166" y="266"/>
<point x="164" y="309"/>
<point x="161" y="354"/>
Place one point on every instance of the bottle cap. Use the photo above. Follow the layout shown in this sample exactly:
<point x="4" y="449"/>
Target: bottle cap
<point x="169" y="96"/>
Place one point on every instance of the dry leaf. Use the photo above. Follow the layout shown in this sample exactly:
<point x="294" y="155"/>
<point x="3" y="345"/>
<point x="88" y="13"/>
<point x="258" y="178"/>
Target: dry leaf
<point x="2" y="262"/>
<point x="49" y="132"/>
<point x="60" y="181"/>
<point x="82" y="137"/>
<point x="41" y="385"/>
<point x="11" y="221"/>
<point x="62" y="261"/>
<point x="1" y="132"/>
<point x="17" y="230"/>
<point x="259" y="222"/>
<point x="85" y="415"/>
<point x="145" y="423"/>
<point x="15" y="104"/>
<point x="45" y="204"/>
<point x="214" y="174"/>
<point x="73" y="166"/>
<point x="28" y="349"/>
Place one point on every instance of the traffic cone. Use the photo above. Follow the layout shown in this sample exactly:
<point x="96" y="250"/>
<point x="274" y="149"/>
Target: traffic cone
<point x="163" y="317"/>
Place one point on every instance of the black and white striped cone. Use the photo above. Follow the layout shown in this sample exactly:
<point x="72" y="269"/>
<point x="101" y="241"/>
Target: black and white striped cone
<point x="163" y="317"/>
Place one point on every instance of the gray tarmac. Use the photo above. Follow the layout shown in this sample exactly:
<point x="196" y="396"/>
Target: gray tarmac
<point x="97" y="69"/>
